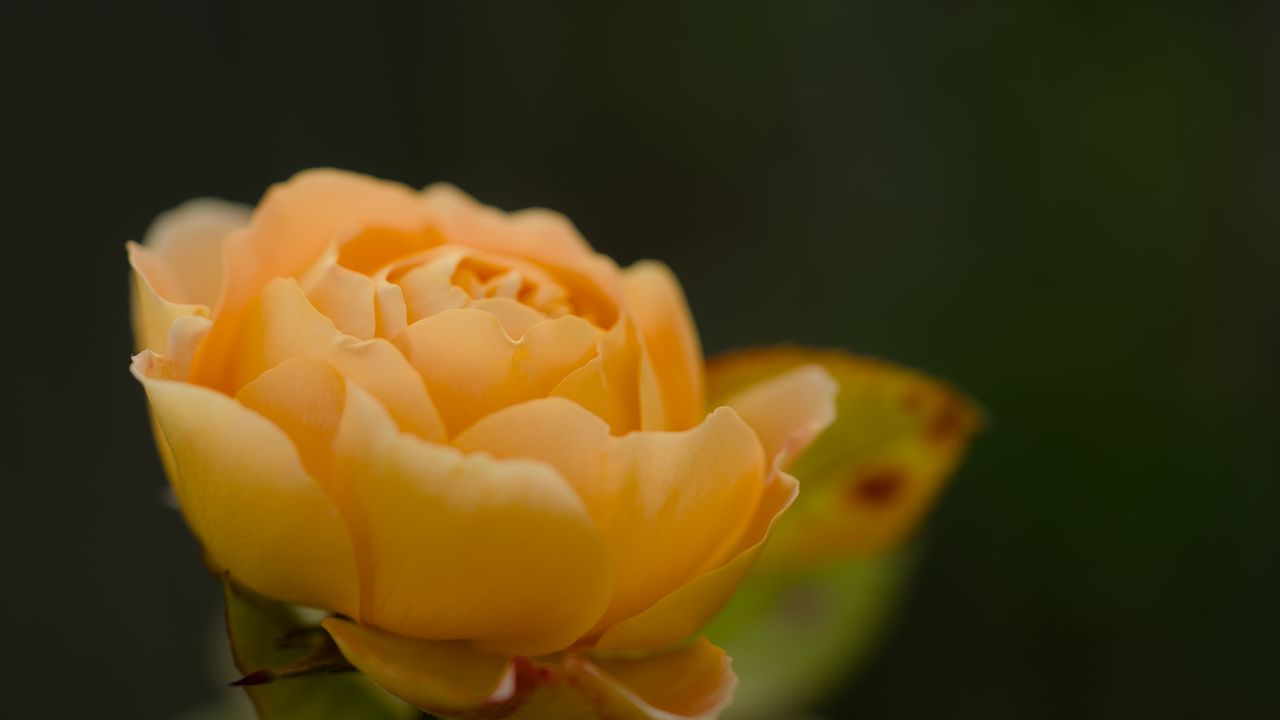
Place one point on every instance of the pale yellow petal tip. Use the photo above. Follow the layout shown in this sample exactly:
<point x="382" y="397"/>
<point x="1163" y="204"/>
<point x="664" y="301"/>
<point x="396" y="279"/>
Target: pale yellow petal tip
<point x="447" y="191"/>
<point x="170" y="226"/>
<point x="453" y="679"/>
<point x="188" y="241"/>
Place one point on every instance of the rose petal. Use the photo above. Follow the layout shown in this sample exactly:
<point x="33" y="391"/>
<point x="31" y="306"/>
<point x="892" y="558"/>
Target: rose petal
<point x="246" y="496"/>
<point x="152" y="313"/>
<point x="696" y="681"/>
<point x="658" y="305"/>
<point x="441" y="677"/>
<point x="304" y="397"/>
<point x="454" y="546"/>
<point x="670" y="505"/>
<point x="282" y="324"/>
<point x="685" y="499"/>
<point x="558" y="432"/>
<point x="542" y="236"/>
<point x="427" y="291"/>
<point x="189" y="239"/>
<point x="788" y="410"/>
<point x="472" y="367"/>
<point x="684" y="611"/>
<point x="868" y="478"/>
<point x="344" y="296"/>
<point x="516" y="317"/>
<point x="609" y="384"/>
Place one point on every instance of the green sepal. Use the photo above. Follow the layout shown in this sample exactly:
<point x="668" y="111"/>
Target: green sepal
<point x="794" y="637"/>
<point x="291" y="668"/>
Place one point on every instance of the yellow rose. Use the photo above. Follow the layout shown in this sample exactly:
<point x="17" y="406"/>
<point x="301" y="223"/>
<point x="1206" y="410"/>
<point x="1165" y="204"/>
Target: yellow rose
<point x="475" y="442"/>
<point x="478" y="445"/>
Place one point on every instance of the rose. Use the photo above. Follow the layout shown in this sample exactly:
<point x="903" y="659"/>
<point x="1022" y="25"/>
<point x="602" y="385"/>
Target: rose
<point x="478" y="445"/>
<point x="485" y="452"/>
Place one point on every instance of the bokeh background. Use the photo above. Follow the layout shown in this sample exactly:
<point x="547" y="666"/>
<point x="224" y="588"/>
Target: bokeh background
<point x="1069" y="210"/>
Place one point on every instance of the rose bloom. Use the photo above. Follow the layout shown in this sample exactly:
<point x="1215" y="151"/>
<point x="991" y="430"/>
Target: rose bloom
<point x="479" y="446"/>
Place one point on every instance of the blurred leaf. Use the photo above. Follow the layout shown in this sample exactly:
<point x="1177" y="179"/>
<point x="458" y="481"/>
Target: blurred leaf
<point x="269" y="638"/>
<point x="795" y="637"/>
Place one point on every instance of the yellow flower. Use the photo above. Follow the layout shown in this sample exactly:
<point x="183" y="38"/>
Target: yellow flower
<point x="479" y="445"/>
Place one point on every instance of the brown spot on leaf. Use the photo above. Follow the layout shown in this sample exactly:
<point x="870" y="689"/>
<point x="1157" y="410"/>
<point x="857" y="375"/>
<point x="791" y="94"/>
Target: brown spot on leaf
<point x="947" y="424"/>
<point x="878" y="489"/>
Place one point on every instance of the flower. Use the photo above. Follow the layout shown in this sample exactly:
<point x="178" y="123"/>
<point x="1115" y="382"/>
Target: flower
<point x="481" y="448"/>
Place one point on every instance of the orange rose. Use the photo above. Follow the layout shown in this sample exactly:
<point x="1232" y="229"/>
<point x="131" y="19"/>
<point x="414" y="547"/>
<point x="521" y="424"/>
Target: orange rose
<point x="475" y="443"/>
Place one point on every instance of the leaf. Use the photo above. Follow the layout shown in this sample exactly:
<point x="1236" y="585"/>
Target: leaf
<point x="289" y="663"/>
<point x="794" y="636"/>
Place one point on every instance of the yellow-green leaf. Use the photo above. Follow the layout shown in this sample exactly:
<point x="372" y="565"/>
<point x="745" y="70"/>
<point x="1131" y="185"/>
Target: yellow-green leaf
<point x="795" y="636"/>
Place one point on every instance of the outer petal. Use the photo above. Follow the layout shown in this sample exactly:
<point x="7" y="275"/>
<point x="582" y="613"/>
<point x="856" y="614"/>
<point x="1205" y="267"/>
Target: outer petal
<point x="685" y="501"/>
<point x="152" y="312"/>
<point x="872" y="474"/>
<point x="247" y="497"/>
<point x="189" y="241"/>
<point x="442" y="677"/>
<point x="454" y="546"/>
<point x="789" y="410"/>
<point x="658" y="305"/>
<point x="293" y="226"/>
<point x="454" y="680"/>
<point x="688" y="608"/>
<point x="304" y="397"/>
<point x="472" y="367"/>
<point x="671" y="506"/>
<point x="696" y="681"/>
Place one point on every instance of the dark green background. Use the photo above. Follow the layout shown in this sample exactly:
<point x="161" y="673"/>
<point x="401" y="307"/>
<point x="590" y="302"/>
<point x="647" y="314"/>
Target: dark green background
<point x="1068" y="210"/>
